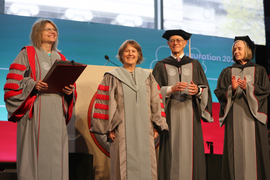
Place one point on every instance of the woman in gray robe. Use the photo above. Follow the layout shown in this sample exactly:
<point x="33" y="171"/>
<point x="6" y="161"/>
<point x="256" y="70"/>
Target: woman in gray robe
<point x="42" y="141"/>
<point x="129" y="109"/>
<point x="242" y="91"/>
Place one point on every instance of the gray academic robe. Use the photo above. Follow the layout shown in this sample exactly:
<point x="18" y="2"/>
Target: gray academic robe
<point x="42" y="140"/>
<point x="182" y="150"/>
<point x="131" y="107"/>
<point x="244" y="114"/>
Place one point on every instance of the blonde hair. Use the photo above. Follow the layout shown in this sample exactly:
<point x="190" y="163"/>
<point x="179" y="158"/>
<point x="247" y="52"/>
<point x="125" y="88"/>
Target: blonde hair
<point x="36" y="33"/>
<point x="248" y="55"/>
<point x="124" y="46"/>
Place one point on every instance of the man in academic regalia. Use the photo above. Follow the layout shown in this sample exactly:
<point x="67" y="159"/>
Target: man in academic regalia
<point x="187" y="98"/>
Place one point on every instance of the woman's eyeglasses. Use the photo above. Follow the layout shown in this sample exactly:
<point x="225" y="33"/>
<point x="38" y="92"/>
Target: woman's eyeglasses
<point x="50" y="29"/>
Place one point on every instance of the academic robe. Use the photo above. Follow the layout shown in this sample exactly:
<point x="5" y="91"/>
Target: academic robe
<point x="42" y="140"/>
<point x="244" y="114"/>
<point x="182" y="149"/>
<point x="131" y="106"/>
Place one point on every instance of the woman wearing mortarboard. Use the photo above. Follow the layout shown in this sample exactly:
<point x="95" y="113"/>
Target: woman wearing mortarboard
<point x="242" y="91"/>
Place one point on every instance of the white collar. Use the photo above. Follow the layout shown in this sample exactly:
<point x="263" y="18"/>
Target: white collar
<point x="182" y="55"/>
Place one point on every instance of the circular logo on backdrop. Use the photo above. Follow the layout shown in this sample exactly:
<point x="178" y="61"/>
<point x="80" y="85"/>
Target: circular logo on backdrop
<point x="186" y="72"/>
<point x="172" y="72"/>
<point x="249" y="78"/>
<point x="45" y="66"/>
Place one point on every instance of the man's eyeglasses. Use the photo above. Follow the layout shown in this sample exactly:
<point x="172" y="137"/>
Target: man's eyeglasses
<point x="176" y="40"/>
<point x="50" y="29"/>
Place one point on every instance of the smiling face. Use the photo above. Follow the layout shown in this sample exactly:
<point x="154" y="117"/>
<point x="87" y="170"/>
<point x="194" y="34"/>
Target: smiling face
<point x="49" y="34"/>
<point x="130" y="56"/>
<point x="177" y="45"/>
<point x="239" y="51"/>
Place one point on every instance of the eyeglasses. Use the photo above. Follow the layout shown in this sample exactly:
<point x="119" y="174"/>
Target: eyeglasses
<point x="50" y="29"/>
<point x="176" y="40"/>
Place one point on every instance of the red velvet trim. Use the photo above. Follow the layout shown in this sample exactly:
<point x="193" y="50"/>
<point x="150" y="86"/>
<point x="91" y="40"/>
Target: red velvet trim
<point x="25" y="106"/>
<point x="71" y="105"/>
<point x="12" y="93"/>
<point x="101" y="116"/>
<point x="89" y="117"/>
<point x="163" y="114"/>
<point x="14" y="76"/>
<point x="75" y="91"/>
<point x="103" y="97"/>
<point x="101" y="106"/>
<point x="16" y="117"/>
<point x="162" y="105"/>
<point x="31" y="54"/>
<point x="12" y="86"/>
<point x="29" y="104"/>
<point x="70" y="110"/>
<point x="160" y="96"/>
<point x="17" y="66"/>
<point x="103" y="88"/>
<point x="158" y="87"/>
<point x="62" y="56"/>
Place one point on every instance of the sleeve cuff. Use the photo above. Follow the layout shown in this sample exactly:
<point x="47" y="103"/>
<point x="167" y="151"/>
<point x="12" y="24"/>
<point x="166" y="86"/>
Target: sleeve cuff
<point x="169" y="91"/>
<point x="199" y="92"/>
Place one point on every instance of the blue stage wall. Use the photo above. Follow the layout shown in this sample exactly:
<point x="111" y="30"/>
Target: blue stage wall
<point x="88" y="43"/>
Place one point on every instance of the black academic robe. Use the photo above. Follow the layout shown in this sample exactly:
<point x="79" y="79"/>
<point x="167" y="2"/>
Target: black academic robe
<point x="168" y="167"/>
<point x="255" y="113"/>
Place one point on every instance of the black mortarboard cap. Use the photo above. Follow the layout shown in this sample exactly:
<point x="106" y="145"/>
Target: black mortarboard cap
<point x="185" y="35"/>
<point x="250" y="43"/>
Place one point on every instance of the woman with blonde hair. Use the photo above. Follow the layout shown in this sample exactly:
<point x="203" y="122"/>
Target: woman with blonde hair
<point x="42" y="140"/>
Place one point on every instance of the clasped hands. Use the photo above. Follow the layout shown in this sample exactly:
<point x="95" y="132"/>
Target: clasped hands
<point x="239" y="82"/>
<point x="181" y="86"/>
<point x="40" y="85"/>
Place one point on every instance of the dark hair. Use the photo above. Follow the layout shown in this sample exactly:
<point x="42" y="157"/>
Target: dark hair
<point x="36" y="33"/>
<point x="124" y="46"/>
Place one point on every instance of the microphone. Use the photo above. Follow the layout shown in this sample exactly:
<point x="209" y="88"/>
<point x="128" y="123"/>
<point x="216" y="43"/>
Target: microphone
<point x="107" y="58"/>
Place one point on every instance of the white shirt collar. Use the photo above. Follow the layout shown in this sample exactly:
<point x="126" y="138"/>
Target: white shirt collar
<point x="182" y="55"/>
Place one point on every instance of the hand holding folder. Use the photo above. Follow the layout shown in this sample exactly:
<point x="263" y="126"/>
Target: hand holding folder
<point x="61" y="74"/>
